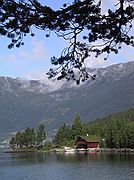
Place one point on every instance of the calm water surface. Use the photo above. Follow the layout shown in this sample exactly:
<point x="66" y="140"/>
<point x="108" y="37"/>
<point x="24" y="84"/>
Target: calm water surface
<point x="62" y="166"/>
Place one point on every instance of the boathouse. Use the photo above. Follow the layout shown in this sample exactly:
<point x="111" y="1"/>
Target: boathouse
<point x="87" y="143"/>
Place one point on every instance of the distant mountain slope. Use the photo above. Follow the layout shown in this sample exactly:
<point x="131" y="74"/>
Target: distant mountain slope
<point x="25" y="103"/>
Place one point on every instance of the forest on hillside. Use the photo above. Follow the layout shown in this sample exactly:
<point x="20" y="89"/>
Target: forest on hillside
<point x="114" y="131"/>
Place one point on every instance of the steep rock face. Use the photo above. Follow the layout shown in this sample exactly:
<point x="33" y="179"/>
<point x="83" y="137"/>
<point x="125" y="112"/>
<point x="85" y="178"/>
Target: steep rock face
<point x="27" y="102"/>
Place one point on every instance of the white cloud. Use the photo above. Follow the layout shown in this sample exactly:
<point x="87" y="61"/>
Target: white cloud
<point x="37" y="51"/>
<point x="35" y="75"/>
<point x="17" y="62"/>
<point x="129" y="54"/>
<point x="99" y="62"/>
<point x="53" y="84"/>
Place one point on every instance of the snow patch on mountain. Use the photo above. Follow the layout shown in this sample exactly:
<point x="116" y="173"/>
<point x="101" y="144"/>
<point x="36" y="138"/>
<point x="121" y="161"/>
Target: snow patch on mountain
<point x="45" y="85"/>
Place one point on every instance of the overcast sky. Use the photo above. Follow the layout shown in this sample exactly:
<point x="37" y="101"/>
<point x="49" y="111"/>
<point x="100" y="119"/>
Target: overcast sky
<point x="33" y="58"/>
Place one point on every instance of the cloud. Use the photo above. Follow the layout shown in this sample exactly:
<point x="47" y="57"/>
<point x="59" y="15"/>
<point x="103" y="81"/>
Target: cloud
<point x="35" y="75"/>
<point x="17" y="62"/>
<point x="37" y="51"/>
<point x="53" y="84"/>
<point x="125" y="54"/>
<point x="128" y="53"/>
<point x="99" y="62"/>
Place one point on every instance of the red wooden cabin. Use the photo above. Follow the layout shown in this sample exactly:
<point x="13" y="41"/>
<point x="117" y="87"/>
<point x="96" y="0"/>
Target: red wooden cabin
<point x="82" y="143"/>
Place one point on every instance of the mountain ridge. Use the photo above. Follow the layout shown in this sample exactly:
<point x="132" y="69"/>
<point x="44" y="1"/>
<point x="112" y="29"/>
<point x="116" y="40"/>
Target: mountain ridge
<point x="27" y="102"/>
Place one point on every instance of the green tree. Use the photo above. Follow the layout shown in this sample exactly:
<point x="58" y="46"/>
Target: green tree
<point x="130" y="134"/>
<point x="116" y="130"/>
<point x="48" y="146"/>
<point x="116" y="134"/>
<point x="30" y="137"/>
<point x="97" y="127"/>
<point x="77" y="128"/>
<point x="41" y="135"/>
<point x="63" y="136"/>
<point x="83" y="19"/>
<point x="26" y="136"/>
<point x="13" y="142"/>
<point x="20" y="139"/>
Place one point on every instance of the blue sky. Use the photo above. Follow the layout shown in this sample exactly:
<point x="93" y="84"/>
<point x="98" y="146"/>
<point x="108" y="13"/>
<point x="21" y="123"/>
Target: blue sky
<point x="33" y="59"/>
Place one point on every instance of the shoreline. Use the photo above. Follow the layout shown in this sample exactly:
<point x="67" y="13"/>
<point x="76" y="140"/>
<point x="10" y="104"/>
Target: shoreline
<point x="101" y="150"/>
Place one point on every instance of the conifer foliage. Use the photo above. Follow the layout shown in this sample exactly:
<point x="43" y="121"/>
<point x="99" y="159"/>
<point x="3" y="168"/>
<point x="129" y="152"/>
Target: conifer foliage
<point x="29" y="137"/>
<point x="103" y="33"/>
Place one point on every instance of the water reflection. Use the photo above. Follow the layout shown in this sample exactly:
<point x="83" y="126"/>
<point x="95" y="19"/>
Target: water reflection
<point x="67" y="166"/>
<point x="95" y="157"/>
<point x="38" y="158"/>
<point x="18" y="159"/>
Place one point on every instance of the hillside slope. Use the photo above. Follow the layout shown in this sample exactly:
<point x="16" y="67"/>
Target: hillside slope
<point x="26" y="103"/>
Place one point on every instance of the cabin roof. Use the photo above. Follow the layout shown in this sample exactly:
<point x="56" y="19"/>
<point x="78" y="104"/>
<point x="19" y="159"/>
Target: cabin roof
<point x="91" y="138"/>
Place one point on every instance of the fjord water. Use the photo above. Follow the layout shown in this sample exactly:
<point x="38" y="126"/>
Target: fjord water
<point x="66" y="166"/>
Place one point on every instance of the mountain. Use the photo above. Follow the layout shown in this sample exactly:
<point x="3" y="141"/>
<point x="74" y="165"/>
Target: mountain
<point x="28" y="102"/>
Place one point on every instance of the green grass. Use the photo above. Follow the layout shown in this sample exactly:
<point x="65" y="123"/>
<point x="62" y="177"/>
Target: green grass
<point x="92" y="138"/>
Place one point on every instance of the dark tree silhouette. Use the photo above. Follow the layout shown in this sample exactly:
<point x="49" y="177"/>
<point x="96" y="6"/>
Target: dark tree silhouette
<point x="103" y="33"/>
